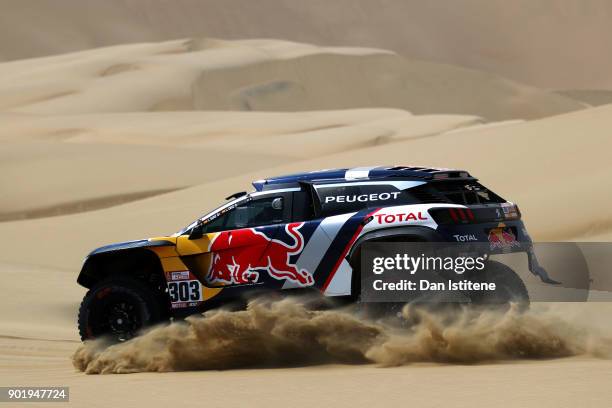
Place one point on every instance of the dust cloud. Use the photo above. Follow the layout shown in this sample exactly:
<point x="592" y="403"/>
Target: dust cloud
<point x="286" y="333"/>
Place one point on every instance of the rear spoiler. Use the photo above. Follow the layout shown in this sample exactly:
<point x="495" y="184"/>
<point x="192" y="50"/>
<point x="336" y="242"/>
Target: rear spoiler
<point x="451" y="175"/>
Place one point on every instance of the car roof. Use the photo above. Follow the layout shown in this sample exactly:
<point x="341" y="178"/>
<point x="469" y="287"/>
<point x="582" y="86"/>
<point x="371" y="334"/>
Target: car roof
<point x="357" y="174"/>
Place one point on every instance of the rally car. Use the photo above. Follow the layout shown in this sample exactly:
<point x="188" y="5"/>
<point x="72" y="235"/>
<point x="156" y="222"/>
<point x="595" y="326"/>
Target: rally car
<point x="293" y="233"/>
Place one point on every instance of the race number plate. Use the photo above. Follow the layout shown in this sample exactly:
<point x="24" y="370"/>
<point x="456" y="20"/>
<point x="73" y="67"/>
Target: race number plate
<point x="183" y="290"/>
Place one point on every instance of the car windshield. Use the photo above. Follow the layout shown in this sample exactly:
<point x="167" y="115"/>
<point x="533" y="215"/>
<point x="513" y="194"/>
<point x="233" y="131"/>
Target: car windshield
<point x="194" y="223"/>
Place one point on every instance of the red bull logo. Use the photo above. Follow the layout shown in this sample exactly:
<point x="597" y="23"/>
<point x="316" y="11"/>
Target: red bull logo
<point x="240" y="255"/>
<point x="503" y="239"/>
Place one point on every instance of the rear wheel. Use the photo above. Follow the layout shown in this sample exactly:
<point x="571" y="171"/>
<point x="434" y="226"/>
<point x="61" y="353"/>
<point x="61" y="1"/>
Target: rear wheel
<point x="389" y="312"/>
<point x="509" y="288"/>
<point x="118" y="308"/>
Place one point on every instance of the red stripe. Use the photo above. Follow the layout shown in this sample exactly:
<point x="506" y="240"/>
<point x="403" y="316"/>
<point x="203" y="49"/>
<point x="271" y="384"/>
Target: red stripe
<point x="345" y="251"/>
<point x="470" y="214"/>
<point x="453" y="215"/>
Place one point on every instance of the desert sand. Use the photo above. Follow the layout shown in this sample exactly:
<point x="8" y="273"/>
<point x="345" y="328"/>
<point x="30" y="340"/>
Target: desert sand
<point x="137" y="140"/>
<point x="550" y="44"/>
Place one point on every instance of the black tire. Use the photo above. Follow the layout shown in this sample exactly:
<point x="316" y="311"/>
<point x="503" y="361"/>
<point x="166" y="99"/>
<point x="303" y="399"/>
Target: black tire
<point x="509" y="288"/>
<point x="389" y="312"/>
<point x="118" y="308"/>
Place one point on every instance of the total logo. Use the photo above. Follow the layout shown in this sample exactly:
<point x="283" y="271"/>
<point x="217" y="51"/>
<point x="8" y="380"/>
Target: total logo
<point x="465" y="238"/>
<point x="400" y="217"/>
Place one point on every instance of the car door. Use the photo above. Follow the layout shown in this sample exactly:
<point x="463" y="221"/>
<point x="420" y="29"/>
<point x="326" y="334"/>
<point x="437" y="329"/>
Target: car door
<point x="231" y="250"/>
<point x="303" y="244"/>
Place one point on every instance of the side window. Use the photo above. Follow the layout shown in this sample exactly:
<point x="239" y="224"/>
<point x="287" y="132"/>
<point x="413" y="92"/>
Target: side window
<point x="217" y="224"/>
<point x="348" y="198"/>
<point x="274" y="209"/>
<point x="256" y="212"/>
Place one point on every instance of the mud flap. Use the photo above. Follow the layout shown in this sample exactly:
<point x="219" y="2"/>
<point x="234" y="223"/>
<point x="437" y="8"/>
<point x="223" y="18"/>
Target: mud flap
<point x="537" y="269"/>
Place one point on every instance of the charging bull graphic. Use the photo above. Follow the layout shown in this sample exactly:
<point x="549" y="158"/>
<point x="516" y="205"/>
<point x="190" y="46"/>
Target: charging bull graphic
<point x="239" y="256"/>
<point x="503" y="239"/>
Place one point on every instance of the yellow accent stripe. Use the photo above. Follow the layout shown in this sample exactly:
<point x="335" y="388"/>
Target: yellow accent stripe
<point x="173" y="264"/>
<point x="208" y="293"/>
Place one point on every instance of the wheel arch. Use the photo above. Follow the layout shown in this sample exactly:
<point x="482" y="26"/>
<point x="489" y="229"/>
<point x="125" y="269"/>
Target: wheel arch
<point x="410" y="233"/>
<point x="415" y="234"/>
<point x="139" y="263"/>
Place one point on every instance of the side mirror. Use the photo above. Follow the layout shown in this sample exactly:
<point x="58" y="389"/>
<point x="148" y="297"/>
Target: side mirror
<point x="196" y="231"/>
<point x="277" y="203"/>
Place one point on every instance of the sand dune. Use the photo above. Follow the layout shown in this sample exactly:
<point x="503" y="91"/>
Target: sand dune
<point x="60" y="178"/>
<point x="83" y="162"/>
<point x="51" y="319"/>
<point x="594" y="97"/>
<point x="239" y="130"/>
<point x="262" y="75"/>
<point x="550" y="44"/>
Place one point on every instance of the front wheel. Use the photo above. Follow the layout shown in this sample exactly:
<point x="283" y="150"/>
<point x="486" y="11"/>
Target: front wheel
<point x="117" y="308"/>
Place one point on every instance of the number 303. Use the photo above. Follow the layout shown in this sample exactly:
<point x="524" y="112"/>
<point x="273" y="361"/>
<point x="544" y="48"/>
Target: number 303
<point x="184" y="291"/>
